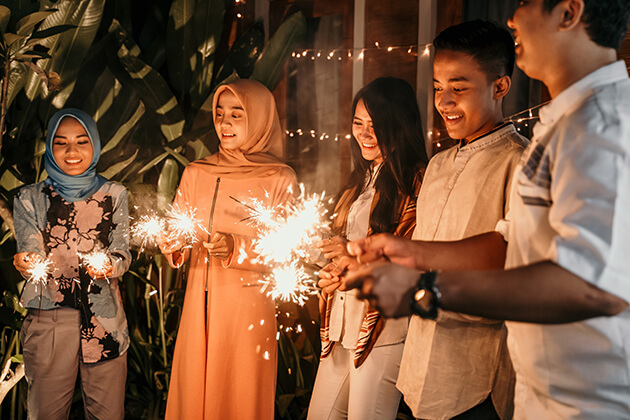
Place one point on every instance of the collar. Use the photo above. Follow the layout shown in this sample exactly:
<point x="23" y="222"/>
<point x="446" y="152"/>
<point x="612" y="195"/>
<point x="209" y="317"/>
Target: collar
<point x="571" y="98"/>
<point x="490" y="137"/>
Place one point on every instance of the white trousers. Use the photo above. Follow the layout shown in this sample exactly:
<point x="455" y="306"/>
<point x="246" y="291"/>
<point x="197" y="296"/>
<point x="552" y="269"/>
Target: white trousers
<point x="342" y="391"/>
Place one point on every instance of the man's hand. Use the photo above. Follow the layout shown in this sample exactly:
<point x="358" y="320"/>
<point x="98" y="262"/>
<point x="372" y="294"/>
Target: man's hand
<point x="387" y="286"/>
<point x="396" y="249"/>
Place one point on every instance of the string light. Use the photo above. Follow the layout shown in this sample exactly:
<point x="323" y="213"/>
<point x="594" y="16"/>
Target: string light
<point x="359" y="53"/>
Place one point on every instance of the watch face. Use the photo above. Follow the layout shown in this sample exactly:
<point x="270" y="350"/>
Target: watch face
<point x="419" y="295"/>
<point x="423" y="299"/>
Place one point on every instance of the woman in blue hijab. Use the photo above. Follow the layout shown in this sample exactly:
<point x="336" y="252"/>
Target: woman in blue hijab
<point x="76" y="323"/>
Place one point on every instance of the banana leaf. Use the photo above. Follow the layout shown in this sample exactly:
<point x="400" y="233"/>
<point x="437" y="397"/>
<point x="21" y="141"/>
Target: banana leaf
<point x="26" y="25"/>
<point x="69" y="47"/>
<point x="181" y="45"/>
<point x="5" y="16"/>
<point x="268" y="68"/>
<point x="167" y="183"/>
<point x="208" y="26"/>
<point x="152" y="89"/>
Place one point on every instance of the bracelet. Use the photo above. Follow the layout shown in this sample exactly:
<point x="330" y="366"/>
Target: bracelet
<point x="426" y="297"/>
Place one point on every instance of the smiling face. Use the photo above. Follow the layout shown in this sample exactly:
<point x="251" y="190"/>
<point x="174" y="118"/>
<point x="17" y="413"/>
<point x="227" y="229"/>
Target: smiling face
<point x="464" y="97"/>
<point x="71" y="147"/>
<point x="363" y="133"/>
<point x="230" y="121"/>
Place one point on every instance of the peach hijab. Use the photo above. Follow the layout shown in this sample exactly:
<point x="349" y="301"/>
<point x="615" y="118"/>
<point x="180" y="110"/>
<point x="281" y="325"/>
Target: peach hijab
<point x="260" y="154"/>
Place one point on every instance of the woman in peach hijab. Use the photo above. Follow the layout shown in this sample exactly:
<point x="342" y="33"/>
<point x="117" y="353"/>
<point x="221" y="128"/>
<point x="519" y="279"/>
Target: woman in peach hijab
<point x="224" y="366"/>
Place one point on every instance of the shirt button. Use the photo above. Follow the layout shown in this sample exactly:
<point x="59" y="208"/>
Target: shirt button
<point x="340" y="297"/>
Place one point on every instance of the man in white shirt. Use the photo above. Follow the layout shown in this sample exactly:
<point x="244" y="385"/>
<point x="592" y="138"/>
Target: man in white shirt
<point x="567" y="277"/>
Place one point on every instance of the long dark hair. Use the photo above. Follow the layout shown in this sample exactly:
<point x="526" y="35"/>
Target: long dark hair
<point x="392" y="105"/>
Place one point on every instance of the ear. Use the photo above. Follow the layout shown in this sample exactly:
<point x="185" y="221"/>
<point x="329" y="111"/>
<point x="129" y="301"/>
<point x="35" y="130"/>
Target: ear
<point x="571" y="14"/>
<point x="502" y="87"/>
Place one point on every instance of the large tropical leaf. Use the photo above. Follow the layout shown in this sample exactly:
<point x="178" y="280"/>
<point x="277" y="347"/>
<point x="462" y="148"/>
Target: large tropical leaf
<point x="181" y="45"/>
<point x="26" y="25"/>
<point x="269" y="66"/>
<point x="5" y="16"/>
<point x="167" y="183"/>
<point x="69" y="47"/>
<point x="151" y="88"/>
<point x="208" y="26"/>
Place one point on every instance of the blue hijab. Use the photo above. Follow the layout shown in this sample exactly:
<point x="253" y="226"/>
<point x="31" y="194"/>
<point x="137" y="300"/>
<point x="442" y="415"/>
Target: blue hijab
<point x="73" y="187"/>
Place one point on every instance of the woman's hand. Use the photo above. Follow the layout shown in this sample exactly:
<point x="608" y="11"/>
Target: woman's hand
<point x="333" y="248"/>
<point x="170" y="245"/>
<point x="23" y="262"/>
<point x="102" y="273"/>
<point x="220" y="246"/>
<point x="330" y="276"/>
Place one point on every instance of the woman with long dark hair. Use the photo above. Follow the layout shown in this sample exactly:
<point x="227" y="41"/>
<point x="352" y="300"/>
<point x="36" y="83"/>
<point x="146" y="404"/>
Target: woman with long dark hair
<point x="360" y="350"/>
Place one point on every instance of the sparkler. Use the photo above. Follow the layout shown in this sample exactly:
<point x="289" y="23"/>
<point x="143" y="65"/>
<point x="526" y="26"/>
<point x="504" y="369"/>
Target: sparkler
<point x="39" y="270"/>
<point x="286" y="239"/>
<point x="289" y="283"/>
<point x="183" y="223"/>
<point x="148" y="229"/>
<point x="97" y="261"/>
<point x="177" y="223"/>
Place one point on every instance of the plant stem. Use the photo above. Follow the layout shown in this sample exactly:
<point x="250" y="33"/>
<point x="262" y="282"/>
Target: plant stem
<point x="161" y="310"/>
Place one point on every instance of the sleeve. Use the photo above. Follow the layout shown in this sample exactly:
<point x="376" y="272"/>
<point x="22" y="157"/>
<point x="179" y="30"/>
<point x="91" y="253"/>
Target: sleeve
<point x="119" y="237"/>
<point x="27" y="234"/>
<point x="590" y="202"/>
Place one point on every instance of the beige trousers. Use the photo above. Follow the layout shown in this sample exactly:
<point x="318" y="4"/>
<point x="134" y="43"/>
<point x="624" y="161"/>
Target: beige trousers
<point x="51" y="346"/>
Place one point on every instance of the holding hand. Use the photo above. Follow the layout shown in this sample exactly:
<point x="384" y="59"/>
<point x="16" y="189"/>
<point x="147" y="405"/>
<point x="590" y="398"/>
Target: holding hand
<point x="387" y="286"/>
<point x="333" y="248"/>
<point x="102" y="273"/>
<point x="23" y="262"/>
<point x="220" y="246"/>
<point x="331" y="274"/>
<point x="384" y="245"/>
<point x="170" y="245"/>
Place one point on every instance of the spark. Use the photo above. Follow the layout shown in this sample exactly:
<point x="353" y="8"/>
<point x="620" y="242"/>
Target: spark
<point x="39" y="270"/>
<point x="97" y="261"/>
<point x="286" y="241"/>
<point x="289" y="283"/>
<point x="148" y="229"/>
<point x="183" y="223"/>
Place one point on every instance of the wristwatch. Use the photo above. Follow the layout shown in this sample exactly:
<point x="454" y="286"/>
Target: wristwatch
<point x="426" y="298"/>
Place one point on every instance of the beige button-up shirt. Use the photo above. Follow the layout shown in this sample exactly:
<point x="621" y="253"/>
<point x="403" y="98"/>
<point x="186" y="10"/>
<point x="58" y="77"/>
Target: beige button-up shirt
<point x="454" y="363"/>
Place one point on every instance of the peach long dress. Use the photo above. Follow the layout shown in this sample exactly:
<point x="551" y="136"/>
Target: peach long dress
<point x="225" y="360"/>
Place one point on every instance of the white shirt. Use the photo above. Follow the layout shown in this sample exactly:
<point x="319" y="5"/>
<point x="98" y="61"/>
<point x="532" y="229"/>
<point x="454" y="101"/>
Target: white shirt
<point x="452" y="364"/>
<point x="347" y="312"/>
<point x="571" y="204"/>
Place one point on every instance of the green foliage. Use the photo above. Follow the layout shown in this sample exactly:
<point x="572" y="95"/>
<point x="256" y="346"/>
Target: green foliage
<point x="147" y="76"/>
